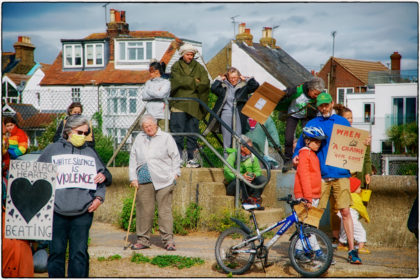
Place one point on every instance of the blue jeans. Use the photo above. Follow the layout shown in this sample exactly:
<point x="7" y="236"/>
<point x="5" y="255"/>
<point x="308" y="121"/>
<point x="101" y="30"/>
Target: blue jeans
<point x="75" y="230"/>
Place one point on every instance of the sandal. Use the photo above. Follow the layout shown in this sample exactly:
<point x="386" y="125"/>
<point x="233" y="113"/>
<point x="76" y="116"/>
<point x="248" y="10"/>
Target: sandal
<point x="139" y="246"/>
<point x="170" y="247"/>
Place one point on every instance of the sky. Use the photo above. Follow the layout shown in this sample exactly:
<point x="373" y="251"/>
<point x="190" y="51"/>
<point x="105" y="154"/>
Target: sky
<point x="364" y="30"/>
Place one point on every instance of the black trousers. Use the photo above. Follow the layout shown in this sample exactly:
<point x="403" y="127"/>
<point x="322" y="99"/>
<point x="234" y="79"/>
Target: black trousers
<point x="289" y="135"/>
<point x="183" y="122"/>
<point x="245" y="189"/>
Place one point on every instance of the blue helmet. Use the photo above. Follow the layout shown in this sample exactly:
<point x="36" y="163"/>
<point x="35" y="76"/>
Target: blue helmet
<point x="314" y="132"/>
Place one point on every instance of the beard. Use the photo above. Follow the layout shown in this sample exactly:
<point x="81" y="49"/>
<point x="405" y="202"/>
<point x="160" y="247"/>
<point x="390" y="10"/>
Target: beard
<point x="327" y="115"/>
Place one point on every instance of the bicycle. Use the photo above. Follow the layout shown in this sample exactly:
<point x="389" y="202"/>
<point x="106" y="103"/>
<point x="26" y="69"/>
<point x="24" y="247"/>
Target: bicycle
<point x="310" y="250"/>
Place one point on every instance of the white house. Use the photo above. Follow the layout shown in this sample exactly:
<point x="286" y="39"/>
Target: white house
<point x="106" y="72"/>
<point x="388" y="104"/>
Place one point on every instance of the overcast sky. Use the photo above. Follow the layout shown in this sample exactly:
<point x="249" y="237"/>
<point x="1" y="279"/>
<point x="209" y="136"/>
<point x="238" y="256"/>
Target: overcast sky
<point x="366" y="31"/>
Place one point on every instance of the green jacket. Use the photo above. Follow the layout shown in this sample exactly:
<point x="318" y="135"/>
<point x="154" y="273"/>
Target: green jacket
<point x="367" y="167"/>
<point x="251" y="165"/>
<point x="184" y="84"/>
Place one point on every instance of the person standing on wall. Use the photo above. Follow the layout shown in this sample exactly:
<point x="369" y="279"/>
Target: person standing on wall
<point x="296" y="104"/>
<point x="229" y="87"/>
<point x="188" y="79"/>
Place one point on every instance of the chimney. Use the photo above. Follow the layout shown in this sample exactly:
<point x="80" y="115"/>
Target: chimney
<point x="116" y="27"/>
<point x="395" y="61"/>
<point x="24" y="50"/>
<point x="267" y="39"/>
<point x="244" y="35"/>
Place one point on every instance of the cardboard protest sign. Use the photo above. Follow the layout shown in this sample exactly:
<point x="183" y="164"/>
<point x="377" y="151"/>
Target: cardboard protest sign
<point x="30" y="200"/>
<point x="347" y="148"/>
<point x="263" y="102"/>
<point x="75" y="171"/>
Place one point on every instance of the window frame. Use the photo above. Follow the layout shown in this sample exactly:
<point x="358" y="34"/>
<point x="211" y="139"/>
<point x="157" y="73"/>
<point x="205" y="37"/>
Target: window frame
<point x="346" y="91"/>
<point x="147" y="46"/>
<point x="95" y="54"/>
<point x="75" y="95"/>
<point x="120" y="101"/>
<point x="73" y="55"/>
<point x="372" y="113"/>
<point x="404" y="112"/>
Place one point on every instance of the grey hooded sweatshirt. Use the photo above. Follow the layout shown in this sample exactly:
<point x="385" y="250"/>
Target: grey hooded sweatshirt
<point x="73" y="201"/>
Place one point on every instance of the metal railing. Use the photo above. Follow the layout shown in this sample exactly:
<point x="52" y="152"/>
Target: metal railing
<point x="235" y="136"/>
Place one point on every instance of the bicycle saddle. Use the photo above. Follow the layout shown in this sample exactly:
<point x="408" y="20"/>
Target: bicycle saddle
<point x="250" y="207"/>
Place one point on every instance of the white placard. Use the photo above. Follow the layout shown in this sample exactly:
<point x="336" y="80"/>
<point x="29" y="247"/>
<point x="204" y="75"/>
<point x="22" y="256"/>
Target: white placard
<point x="260" y="103"/>
<point x="30" y="200"/>
<point x="75" y="171"/>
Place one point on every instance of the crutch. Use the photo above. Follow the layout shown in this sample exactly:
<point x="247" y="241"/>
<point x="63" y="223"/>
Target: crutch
<point x="131" y="217"/>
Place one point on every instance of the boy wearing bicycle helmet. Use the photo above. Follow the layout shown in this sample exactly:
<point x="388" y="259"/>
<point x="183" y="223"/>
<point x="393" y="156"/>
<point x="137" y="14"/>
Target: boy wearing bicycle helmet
<point x="308" y="175"/>
<point x="308" y="180"/>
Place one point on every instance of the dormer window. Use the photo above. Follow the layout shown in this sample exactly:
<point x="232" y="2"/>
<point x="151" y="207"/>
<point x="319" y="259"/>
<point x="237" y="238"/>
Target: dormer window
<point x="73" y="55"/>
<point x="94" y="54"/>
<point x="135" y="51"/>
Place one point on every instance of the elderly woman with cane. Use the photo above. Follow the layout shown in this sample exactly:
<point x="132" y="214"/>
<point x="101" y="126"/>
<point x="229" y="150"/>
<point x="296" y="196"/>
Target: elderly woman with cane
<point x="153" y="169"/>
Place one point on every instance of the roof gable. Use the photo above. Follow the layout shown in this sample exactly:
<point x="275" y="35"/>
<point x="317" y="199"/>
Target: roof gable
<point x="278" y="63"/>
<point x="360" y="68"/>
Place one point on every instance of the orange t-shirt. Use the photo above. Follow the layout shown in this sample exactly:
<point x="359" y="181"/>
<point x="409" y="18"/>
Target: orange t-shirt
<point x="308" y="175"/>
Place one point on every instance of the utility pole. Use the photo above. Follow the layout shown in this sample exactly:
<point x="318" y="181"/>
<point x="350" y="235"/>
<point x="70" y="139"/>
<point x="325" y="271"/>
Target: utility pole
<point x="234" y="25"/>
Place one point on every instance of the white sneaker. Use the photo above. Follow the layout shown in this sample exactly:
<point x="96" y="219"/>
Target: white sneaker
<point x="192" y="164"/>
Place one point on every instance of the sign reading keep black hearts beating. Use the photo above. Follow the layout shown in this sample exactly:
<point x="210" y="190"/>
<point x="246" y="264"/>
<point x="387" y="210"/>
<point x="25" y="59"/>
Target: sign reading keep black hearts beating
<point x="30" y="200"/>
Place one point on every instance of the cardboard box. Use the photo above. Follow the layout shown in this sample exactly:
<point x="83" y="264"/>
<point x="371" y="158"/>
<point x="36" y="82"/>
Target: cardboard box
<point x="263" y="102"/>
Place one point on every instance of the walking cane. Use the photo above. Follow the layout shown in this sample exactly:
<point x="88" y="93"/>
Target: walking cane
<point x="131" y="217"/>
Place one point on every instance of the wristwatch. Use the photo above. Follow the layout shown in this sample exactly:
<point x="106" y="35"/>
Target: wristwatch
<point x="100" y="199"/>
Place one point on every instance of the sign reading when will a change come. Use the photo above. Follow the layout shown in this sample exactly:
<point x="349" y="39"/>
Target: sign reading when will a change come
<point x="347" y="148"/>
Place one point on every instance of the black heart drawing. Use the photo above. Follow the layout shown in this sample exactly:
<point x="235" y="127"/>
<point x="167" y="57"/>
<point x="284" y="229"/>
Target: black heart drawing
<point x="11" y="212"/>
<point x="29" y="199"/>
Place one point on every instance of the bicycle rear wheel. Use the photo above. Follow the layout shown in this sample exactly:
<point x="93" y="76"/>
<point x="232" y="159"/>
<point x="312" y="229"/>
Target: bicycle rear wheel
<point x="232" y="255"/>
<point x="318" y="259"/>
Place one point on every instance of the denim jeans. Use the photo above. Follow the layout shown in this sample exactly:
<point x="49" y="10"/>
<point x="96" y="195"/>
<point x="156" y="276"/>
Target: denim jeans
<point x="75" y="230"/>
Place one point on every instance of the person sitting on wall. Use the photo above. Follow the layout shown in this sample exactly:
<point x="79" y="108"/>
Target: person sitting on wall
<point x="250" y="169"/>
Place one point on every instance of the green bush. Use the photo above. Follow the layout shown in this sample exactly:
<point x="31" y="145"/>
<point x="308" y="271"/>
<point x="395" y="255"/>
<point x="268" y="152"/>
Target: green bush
<point x="222" y="221"/>
<point x="181" y="223"/>
<point x="179" y="262"/>
<point x="404" y="137"/>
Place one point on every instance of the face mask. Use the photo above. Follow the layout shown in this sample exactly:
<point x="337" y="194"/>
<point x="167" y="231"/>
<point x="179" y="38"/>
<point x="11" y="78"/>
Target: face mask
<point x="77" y="140"/>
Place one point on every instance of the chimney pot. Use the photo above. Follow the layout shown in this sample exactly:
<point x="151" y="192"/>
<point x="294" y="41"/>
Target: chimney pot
<point x="112" y="15"/>
<point x="241" y="28"/>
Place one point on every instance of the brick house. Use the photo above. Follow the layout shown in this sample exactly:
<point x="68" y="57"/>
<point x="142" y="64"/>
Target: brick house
<point x="106" y="71"/>
<point x="343" y="76"/>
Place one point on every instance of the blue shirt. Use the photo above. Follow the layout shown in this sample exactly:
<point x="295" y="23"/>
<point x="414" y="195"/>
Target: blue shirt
<point x="326" y="124"/>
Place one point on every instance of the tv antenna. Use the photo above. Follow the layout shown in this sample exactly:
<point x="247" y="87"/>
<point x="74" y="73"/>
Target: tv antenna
<point x="104" y="5"/>
<point x="234" y="25"/>
<point x="333" y="35"/>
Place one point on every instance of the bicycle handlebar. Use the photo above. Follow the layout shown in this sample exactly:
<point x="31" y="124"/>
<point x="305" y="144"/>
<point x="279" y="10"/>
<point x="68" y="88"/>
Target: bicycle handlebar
<point x="289" y="200"/>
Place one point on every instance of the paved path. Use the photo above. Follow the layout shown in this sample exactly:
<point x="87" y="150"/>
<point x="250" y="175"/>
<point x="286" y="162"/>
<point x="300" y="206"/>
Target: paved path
<point x="108" y="240"/>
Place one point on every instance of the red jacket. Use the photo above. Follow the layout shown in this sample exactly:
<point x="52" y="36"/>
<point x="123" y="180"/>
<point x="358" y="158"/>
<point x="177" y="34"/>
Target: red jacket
<point x="308" y="175"/>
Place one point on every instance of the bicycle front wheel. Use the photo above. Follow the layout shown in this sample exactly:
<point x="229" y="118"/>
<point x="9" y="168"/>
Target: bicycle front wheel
<point x="233" y="254"/>
<point x="312" y="255"/>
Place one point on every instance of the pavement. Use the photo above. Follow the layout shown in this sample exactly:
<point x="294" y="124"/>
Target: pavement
<point x="108" y="240"/>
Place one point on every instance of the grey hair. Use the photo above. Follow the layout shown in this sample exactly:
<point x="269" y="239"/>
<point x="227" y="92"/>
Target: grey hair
<point x="316" y="83"/>
<point x="73" y="122"/>
<point x="246" y="139"/>
<point x="145" y="118"/>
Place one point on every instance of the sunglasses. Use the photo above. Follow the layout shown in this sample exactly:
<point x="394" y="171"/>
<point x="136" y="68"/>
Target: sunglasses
<point x="79" y="132"/>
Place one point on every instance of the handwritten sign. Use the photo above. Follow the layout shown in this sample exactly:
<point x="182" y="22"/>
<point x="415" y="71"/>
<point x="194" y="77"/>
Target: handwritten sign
<point x="75" y="171"/>
<point x="347" y="148"/>
<point x="30" y="200"/>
